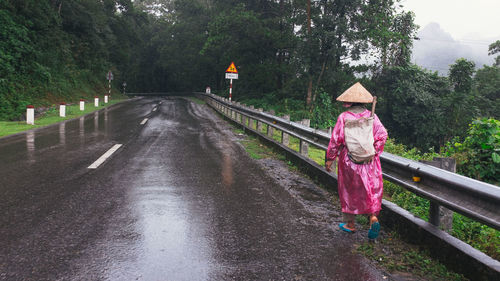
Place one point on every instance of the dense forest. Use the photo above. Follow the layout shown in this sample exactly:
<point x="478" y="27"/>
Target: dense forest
<point x="292" y="56"/>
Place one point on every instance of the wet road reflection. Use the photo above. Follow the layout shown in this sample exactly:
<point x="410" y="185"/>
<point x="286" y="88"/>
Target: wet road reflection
<point x="227" y="171"/>
<point x="30" y="146"/>
<point x="62" y="133"/>
<point x="81" y="129"/>
<point x="96" y="122"/>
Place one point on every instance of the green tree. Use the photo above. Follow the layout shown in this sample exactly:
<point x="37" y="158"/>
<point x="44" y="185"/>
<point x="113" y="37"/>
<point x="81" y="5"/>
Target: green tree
<point x="410" y="105"/>
<point x="240" y="35"/>
<point x="494" y="48"/>
<point x="487" y="83"/>
<point x="460" y="103"/>
<point x="461" y="75"/>
<point x="479" y="155"/>
<point x="349" y="31"/>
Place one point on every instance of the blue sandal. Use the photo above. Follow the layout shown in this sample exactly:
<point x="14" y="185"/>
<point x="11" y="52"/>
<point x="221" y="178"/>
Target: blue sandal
<point x="341" y="226"/>
<point x="374" y="230"/>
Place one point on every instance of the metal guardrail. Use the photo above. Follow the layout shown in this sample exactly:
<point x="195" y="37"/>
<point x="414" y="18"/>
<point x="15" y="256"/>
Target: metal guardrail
<point x="474" y="199"/>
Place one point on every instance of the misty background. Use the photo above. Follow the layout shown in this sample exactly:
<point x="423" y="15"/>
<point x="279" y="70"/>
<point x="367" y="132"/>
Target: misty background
<point x="436" y="49"/>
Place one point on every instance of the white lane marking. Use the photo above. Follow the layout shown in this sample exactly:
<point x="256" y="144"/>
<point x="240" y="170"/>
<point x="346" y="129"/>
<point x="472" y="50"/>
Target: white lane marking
<point x="154" y="109"/>
<point x="105" y="156"/>
<point x="144" y="121"/>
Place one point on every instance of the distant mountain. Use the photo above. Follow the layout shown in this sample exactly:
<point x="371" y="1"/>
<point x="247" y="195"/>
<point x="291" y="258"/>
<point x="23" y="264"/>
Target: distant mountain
<point x="436" y="49"/>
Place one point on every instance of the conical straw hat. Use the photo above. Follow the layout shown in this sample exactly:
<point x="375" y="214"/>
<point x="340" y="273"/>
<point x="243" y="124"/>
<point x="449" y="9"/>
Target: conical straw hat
<point x="356" y="93"/>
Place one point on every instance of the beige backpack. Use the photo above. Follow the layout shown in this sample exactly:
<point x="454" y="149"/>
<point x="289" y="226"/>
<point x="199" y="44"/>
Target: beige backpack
<point x="358" y="135"/>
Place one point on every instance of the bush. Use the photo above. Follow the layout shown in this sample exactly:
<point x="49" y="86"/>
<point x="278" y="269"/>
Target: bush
<point x="482" y="132"/>
<point x="324" y="114"/>
<point x="478" y="156"/>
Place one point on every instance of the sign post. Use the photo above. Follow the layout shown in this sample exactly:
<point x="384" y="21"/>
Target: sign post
<point x="110" y="77"/>
<point x="231" y="73"/>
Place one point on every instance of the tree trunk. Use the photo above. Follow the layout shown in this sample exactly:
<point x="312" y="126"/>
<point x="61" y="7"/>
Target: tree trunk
<point x="309" y="93"/>
<point x="317" y="84"/>
<point x="309" y="87"/>
<point x="280" y="50"/>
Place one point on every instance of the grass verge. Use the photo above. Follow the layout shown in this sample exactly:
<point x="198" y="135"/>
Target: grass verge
<point x="196" y="100"/>
<point x="51" y="116"/>
<point x="400" y="258"/>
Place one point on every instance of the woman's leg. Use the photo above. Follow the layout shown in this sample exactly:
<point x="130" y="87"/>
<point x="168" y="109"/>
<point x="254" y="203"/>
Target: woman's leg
<point x="350" y="218"/>
<point x="374" y="227"/>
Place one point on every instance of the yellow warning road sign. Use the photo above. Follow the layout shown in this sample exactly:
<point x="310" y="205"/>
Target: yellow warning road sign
<point x="232" y="68"/>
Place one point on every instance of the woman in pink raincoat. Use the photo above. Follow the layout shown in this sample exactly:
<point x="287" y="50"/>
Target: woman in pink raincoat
<point x="360" y="186"/>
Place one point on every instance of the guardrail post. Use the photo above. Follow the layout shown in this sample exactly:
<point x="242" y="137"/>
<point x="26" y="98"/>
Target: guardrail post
<point x="439" y="215"/>
<point x="304" y="146"/>
<point x="270" y="129"/>
<point x="259" y="124"/>
<point x="250" y="120"/>
<point x="244" y="120"/>
<point x="285" y="138"/>
<point x="238" y="115"/>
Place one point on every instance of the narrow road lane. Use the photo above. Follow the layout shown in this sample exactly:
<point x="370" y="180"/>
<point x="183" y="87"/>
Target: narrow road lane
<point x="180" y="200"/>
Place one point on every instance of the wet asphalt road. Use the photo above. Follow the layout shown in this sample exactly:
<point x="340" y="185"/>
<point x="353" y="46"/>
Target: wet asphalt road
<point x="180" y="200"/>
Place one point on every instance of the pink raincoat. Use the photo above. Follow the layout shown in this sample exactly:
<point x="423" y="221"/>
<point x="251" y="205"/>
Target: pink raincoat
<point x="360" y="186"/>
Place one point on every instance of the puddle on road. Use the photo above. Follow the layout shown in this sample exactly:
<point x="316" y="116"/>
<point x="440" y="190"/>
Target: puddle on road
<point x="167" y="238"/>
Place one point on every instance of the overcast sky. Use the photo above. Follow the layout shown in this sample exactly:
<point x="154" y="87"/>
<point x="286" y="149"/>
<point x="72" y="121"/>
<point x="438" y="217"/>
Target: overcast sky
<point x="461" y="18"/>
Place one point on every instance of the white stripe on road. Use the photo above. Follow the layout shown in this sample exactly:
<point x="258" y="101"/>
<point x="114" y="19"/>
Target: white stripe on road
<point x="154" y="109"/>
<point x="144" y="121"/>
<point x="105" y="156"/>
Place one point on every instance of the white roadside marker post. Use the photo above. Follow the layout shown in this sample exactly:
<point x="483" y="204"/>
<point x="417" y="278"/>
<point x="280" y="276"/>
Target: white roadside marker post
<point x="30" y="115"/>
<point x="105" y="98"/>
<point x="62" y="109"/>
<point x="82" y="105"/>
<point x="96" y="101"/>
